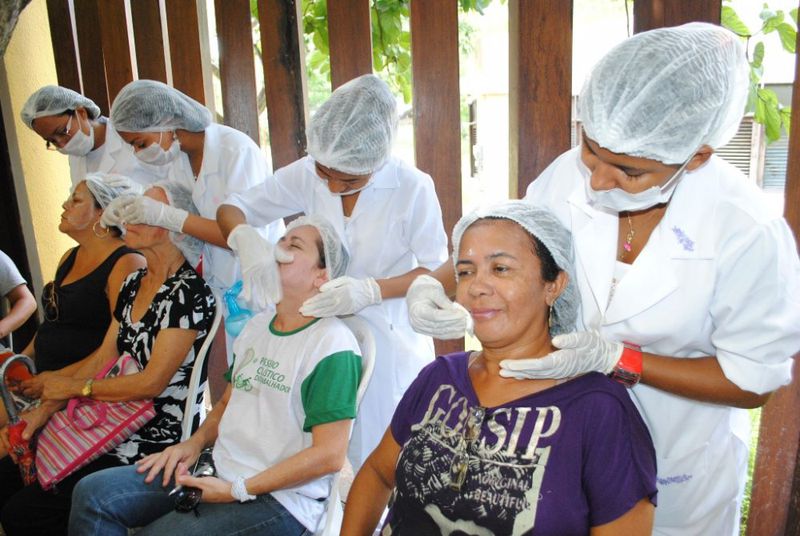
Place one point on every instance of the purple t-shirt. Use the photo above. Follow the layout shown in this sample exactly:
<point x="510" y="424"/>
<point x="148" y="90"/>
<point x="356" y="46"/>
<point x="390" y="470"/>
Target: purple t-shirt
<point x="556" y="462"/>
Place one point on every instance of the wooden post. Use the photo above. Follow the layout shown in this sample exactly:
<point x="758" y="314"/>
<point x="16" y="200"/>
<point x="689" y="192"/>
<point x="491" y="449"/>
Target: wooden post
<point x="776" y="489"/>
<point x="113" y="30"/>
<point x="236" y="66"/>
<point x="148" y="40"/>
<point x="282" y="52"/>
<point x="437" y="116"/>
<point x="63" y="39"/>
<point x="651" y="14"/>
<point x="184" y="47"/>
<point x="90" y="45"/>
<point x="349" y="39"/>
<point x="540" y="87"/>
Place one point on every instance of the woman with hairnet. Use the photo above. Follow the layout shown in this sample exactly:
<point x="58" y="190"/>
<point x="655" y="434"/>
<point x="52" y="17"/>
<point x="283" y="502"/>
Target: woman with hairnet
<point x="71" y="124"/>
<point x="472" y="452"/>
<point x="689" y="287"/>
<point x="161" y="319"/>
<point x="211" y="161"/>
<point x="387" y="215"/>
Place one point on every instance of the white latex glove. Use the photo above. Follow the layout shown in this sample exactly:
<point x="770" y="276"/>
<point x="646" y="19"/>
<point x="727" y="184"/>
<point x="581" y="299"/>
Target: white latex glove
<point x="432" y="313"/>
<point x="124" y="184"/>
<point x="112" y="214"/>
<point x="342" y="296"/>
<point x="261" y="281"/>
<point x="140" y="209"/>
<point x="579" y="352"/>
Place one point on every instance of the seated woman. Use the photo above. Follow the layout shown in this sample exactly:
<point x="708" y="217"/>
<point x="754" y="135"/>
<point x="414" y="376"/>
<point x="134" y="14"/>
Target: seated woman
<point x="161" y="318"/>
<point x="473" y="452"/>
<point x="279" y="431"/>
<point x="78" y="303"/>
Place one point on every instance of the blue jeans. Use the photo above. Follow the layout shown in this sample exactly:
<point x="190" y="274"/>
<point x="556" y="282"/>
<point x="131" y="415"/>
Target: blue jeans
<point x="107" y="503"/>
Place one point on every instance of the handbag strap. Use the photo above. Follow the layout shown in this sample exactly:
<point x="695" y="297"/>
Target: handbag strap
<point x="101" y="410"/>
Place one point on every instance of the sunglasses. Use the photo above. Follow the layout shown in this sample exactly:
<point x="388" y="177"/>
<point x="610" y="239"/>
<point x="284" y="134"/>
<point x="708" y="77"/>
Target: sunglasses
<point x="470" y="433"/>
<point x="50" y="302"/>
<point x="187" y="498"/>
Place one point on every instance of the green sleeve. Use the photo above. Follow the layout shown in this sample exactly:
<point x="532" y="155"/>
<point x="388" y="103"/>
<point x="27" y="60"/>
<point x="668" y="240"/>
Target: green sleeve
<point x="329" y="392"/>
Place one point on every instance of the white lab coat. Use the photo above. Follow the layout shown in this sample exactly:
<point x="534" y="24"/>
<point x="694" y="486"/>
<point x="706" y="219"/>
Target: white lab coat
<point x="396" y="226"/>
<point x="718" y="277"/>
<point x="115" y="156"/>
<point x="232" y="163"/>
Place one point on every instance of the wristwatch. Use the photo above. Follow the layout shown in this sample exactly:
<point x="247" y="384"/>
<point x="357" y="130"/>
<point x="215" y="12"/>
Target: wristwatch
<point x="86" y="392"/>
<point x="628" y="370"/>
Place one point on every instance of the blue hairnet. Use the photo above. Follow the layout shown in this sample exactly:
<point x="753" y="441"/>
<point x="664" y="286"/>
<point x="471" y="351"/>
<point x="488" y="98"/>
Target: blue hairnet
<point x="150" y="106"/>
<point x="55" y="100"/>
<point x="336" y="256"/>
<point x="540" y="223"/>
<point x="353" y="130"/>
<point x="662" y="94"/>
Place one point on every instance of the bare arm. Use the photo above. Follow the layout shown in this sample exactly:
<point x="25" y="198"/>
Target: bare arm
<point x="396" y="287"/>
<point x="446" y="275"/>
<point x="205" y="229"/>
<point x="371" y="489"/>
<point x="228" y="217"/>
<point x="23" y="306"/>
<point x="169" y="351"/>
<point x="638" y="521"/>
<point x="699" y="379"/>
<point x="124" y="266"/>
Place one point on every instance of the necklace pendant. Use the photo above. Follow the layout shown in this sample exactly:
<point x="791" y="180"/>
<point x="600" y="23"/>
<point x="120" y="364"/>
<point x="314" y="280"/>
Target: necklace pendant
<point x="626" y="247"/>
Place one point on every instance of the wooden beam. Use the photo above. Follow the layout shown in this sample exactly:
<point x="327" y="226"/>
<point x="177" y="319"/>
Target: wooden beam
<point x="58" y="13"/>
<point x="540" y="87"/>
<point x="184" y="47"/>
<point x="775" y="495"/>
<point x="437" y="115"/>
<point x="236" y="66"/>
<point x="90" y="46"/>
<point x="113" y="30"/>
<point x="148" y="40"/>
<point x="651" y="14"/>
<point x="282" y="52"/>
<point x="349" y="39"/>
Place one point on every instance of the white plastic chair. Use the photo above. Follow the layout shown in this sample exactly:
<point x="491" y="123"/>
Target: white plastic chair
<point x="197" y="373"/>
<point x="366" y="342"/>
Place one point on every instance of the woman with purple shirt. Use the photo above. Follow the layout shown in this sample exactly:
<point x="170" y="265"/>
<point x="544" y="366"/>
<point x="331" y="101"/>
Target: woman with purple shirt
<point x="471" y="451"/>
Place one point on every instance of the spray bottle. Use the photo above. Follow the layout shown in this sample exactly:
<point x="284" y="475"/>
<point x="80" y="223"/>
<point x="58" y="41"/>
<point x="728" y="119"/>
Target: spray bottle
<point x="238" y="314"/>
<point x="20" y="447"/>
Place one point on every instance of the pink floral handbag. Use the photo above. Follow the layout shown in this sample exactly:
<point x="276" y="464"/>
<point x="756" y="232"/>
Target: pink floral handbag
<point x="86" y="429"/>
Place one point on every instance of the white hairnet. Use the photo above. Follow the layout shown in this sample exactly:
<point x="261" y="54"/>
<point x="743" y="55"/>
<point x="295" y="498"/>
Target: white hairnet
<point x="662" y="94"/>
<point x="541" y="224"/>
<point x="55" y="100"/>
<point x="336" y="256"/>
<point x="353" y="130"/>
<point x="180" y="197"/>
<point x="150" y="106"/>
<point x="105" y="187"/>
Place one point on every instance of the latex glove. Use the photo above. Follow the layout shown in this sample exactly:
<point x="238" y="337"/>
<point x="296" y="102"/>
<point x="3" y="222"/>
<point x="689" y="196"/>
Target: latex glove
<point x="140" y="209"/>
<point x="124" y="184"/>
<point x="579" y="352"/>
<point x="261" y="281"/>
<point x="342" y="296"/>
<point x="112" y="214"/>
<point x="432" y="313"/>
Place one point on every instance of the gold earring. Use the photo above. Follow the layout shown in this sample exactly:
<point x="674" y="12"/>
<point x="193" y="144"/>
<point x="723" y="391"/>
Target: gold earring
<point x="98" y="235"/>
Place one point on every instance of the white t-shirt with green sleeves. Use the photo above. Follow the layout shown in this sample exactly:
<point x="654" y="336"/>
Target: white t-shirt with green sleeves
<point x="285" y="383"/>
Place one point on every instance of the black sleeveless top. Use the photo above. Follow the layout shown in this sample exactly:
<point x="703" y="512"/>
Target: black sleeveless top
<point x="76" y="316"/>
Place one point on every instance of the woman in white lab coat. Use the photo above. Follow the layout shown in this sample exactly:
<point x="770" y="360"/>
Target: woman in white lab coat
<point x="166" y="127"/>
<point x="687" y="282"/>
<point x="72" y="124"/>
<point x="389" y="219"/>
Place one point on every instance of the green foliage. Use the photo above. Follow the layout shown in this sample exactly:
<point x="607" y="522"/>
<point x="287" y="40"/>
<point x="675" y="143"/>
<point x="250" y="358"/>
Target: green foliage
<point x="763" y="102"/>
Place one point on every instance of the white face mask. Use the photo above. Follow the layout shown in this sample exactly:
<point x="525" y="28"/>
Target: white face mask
<point x="353" y="191"/>
<point x="155" y="155"/>
<point x="619" y="200"/>
<point x="79" y="144"/>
